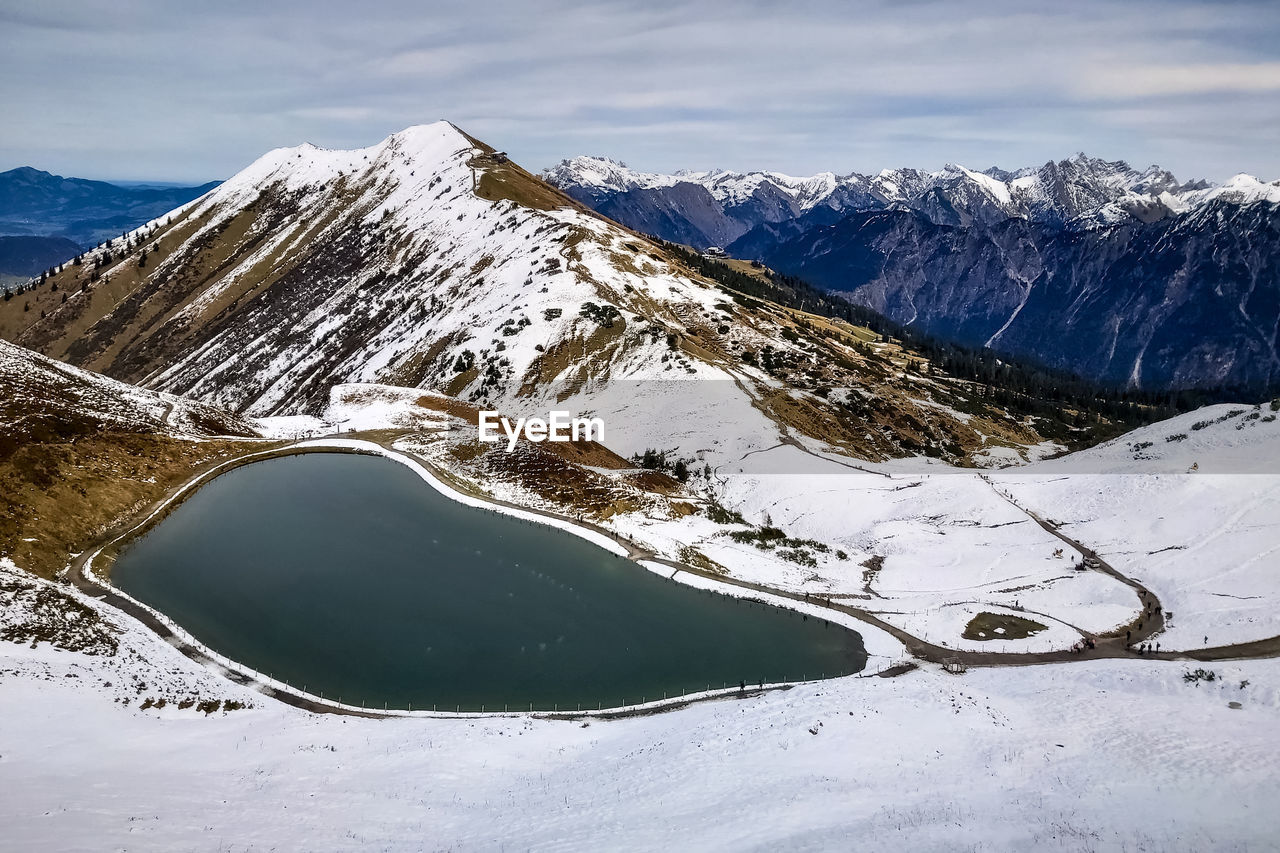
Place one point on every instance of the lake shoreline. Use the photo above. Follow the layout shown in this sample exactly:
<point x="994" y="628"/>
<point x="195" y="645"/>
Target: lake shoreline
<point x="89" y="576"/>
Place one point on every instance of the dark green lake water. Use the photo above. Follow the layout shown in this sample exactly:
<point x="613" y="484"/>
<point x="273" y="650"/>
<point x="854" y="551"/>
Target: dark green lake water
<point x="350" y="576"/>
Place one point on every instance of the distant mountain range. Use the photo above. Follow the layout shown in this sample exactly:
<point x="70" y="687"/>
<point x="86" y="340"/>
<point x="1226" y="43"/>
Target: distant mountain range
<point x="37" y="204"/>
<point x="1126" y="276"/>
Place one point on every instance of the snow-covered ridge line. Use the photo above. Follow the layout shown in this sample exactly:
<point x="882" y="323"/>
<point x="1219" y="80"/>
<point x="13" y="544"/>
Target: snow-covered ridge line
<point x="1090" y="187"/>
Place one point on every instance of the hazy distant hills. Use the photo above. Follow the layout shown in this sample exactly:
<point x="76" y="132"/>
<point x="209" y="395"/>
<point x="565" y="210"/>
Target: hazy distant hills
<point x="1122" y="275"/>
<point x="37" y="204"/>
<point x="27" y="256"/>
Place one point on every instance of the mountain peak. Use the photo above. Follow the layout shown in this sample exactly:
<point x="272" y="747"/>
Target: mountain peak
<point x="28" y="173"/>
<point x="417" y="152"/>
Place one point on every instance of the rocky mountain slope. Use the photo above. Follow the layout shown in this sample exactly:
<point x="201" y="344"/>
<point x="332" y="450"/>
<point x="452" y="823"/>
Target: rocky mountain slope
<point x="430" y="261"/>
<point x="1123" y="276"/>
<point x="79" y="452"/>
<point x="36" y="203"/>
<point x="1187" y="301"/>
<point x="44" y="398"/>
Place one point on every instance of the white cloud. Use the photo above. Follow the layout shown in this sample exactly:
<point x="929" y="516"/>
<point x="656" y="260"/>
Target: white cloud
<point x="158" y="91"/>
<point x="1191" y="79"/>
<point x="334" y="113"/>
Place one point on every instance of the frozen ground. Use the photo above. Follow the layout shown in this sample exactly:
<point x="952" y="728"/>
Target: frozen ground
<point x="1101" y="755"/>
<point x="951" y="547"/>
<point x="1114" y="755"/>
<point x="1195" y="519"/>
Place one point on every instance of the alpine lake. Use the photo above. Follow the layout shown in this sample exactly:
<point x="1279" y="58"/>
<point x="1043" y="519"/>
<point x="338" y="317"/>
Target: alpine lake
<point x="350" y="577"/>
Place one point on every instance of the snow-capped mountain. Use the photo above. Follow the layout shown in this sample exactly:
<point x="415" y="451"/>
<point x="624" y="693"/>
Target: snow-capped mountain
<point x="1079" y="192"/>
<point x="431" y="261"/>
<point x="1126" y="276"/>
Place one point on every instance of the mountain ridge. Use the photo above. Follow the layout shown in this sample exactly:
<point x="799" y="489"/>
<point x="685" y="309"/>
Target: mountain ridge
<point x="1079" y="192"/>
<point x="1125" y="277"/>
<point x="429" y="260"/>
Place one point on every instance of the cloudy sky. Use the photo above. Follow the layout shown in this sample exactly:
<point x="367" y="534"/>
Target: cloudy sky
<point x="147" y="89"/>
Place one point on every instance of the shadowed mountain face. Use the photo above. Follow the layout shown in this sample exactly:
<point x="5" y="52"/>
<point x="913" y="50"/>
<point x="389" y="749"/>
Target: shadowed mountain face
<point x="37" y="203"/>
<point x="1085" y="265"/>
<point x="25" y="256"/>
<point x="1189" y="301"/>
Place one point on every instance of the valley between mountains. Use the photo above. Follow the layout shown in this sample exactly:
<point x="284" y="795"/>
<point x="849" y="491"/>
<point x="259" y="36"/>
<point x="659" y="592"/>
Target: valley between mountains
<point x="377" y="300"/>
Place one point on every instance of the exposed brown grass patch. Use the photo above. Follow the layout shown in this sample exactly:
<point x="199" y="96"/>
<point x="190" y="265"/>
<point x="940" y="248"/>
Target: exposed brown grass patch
<point x="450" y="406"/>
<point x="1000" y="626"/>
<point x="691" y="556"/>
<point x="499" y="181"/>
<point x="654" y="481"/>
<point x="57" y="497"/>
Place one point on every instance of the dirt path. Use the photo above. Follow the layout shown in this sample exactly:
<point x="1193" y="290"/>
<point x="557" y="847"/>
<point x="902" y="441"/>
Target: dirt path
<point x="1150" y="620"/>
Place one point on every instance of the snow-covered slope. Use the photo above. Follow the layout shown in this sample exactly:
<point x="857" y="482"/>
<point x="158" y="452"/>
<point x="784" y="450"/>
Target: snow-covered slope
<point x="41" y="398"/>
<point x="1106" y="755"/>
<point x="312" y="267"/>
<point x="1241" y="189"/>
<point x="1190" y="507"/>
